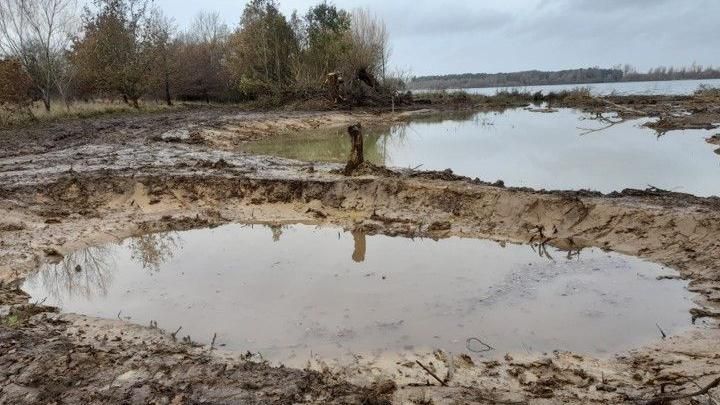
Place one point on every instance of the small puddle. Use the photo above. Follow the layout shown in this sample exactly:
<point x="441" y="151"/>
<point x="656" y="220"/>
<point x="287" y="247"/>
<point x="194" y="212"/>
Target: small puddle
<point x="526" y="148"/>
<point x="298" y="291"/>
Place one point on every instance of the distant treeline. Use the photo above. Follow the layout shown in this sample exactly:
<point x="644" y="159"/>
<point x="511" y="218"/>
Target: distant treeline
<point x="572" y="76"/>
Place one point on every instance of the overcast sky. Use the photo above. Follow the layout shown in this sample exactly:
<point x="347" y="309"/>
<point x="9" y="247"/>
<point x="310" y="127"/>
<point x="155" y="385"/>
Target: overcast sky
<point x="456" y="36"/>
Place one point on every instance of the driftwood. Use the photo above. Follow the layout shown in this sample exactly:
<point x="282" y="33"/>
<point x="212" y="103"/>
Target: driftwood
<point x="356" y="152"/>
<point x="433" y="375"/>
<point x="607" y="121"/>
<point x="669" y="398"/>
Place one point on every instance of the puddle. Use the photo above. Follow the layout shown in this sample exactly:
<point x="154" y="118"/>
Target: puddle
<point x="528" y="149"/>
<point x="292" y="292"/>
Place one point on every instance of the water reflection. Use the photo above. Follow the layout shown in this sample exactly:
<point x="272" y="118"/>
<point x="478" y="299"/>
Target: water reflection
<point x="277" y="231"/>
<point x="89" y="272"/>
<point x="566" y="149"/>
<point x="358" y="255"/>
<point x="288" y="290"/>
<point x="85" y="273"/>
<point x="152" y="250"/>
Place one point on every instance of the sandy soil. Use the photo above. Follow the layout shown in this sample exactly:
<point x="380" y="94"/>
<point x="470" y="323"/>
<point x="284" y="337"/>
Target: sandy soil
<point x="76" y="184"/>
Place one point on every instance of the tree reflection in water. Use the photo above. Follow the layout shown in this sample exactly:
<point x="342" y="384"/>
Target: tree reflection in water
<point x="358" y="255"/>
<point x="88" y="273"/>
<point x="85" y="273"/>
<point x="277" y="231"/>
<point x="152" y="250"/>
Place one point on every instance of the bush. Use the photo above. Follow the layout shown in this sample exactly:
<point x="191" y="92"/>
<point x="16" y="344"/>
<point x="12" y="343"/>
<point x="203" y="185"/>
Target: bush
<point x="15" y="93"/>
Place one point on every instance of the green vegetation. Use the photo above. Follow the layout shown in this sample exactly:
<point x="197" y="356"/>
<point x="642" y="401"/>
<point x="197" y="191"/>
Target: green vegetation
<point x="579" y="96"/>
<point x="127" y="52"/>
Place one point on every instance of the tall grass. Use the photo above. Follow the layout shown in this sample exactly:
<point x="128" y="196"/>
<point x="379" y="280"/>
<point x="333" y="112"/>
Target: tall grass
<point x="88" y="109"/>
<point x="77" y="110"/>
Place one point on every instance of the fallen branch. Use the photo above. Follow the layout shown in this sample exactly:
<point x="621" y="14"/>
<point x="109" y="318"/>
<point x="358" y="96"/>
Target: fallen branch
<point x="662" y="332"/>
<point x="212" y="344"/>
<point x="667" y="398"/>
<point x="427" y="370"/>
<point x="174" y="334"/>
<point x="609" y="124"/>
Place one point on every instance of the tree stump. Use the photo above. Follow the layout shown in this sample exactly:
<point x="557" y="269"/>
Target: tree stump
<point x="356" y="152"/>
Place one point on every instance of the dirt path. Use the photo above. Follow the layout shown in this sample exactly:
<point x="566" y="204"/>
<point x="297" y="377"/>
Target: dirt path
<point x="72" y="193"/>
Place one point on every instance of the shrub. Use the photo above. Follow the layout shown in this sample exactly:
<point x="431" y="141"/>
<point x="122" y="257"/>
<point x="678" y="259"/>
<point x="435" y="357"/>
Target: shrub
<point x="15" y="93"/>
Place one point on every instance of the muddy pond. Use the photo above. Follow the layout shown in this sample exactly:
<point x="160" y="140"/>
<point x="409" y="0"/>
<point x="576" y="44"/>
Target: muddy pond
<point x="562" y="150"/>
<point x="290" y="292"/>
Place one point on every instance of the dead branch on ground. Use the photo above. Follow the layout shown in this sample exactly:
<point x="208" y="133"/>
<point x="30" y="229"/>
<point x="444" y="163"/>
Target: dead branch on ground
<point x="669" y="398"/>
<point x="433" y="375"/>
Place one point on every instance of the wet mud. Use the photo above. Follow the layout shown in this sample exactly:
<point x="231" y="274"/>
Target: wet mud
<point x="63" y="190"/>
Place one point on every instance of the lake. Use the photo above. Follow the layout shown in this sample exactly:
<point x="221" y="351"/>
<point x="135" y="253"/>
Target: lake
<point x="669" y="87"/>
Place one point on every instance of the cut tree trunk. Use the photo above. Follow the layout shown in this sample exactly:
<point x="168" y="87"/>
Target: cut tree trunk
<point x="168" y="97"/>
<point x="356" y="152"/>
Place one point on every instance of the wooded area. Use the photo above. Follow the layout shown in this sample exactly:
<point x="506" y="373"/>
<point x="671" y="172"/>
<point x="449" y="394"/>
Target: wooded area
<point x="129" y="50"/>
<point x="625" y="73"/>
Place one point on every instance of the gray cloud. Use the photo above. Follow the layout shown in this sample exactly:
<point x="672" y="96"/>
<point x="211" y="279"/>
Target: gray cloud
<point x="449" y="36"/>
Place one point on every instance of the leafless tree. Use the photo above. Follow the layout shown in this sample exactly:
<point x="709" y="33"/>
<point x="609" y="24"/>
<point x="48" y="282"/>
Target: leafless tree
<point x="201" y="53"/>
<point x="371" y="41"/>
<point x="163" y="31"/>
<point x="38" y="33"/>
<point x="209" y="28"/>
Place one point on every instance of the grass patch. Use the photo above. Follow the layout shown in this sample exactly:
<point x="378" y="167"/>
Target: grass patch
<point x="11" y="321"/>
<point x="77" y="110"/>
<point x="20" y="314"/>
<point x="93" y="109"/>
<point x="707" y="93"/>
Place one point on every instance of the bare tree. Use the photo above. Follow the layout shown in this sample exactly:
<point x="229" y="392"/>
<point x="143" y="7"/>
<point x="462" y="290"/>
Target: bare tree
<point x="165" y="49"/>
<point x="371" y="41"/>
<point x="201" y="53"/>
<point x="38" y="33"/>
<point x="209" y="28"/>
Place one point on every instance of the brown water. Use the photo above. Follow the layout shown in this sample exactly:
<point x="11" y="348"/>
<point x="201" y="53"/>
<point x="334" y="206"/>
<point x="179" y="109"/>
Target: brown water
<point x="563" y="150"/>
<point x="289" y="291"/>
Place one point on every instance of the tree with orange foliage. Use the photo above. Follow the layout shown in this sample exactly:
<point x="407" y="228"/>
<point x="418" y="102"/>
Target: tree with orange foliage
<point x="15" y="89"/>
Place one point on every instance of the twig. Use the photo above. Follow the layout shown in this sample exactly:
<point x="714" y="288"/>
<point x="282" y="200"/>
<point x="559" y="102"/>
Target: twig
<point x="710" y="397"/>
<point x="609" y="123"/>
<point x="431" y="373"/>
<point x="663" y="399"/>
<point x="118" y="315"/>
<point x="174" y="334"/>
<point x="212" y="344"/>
<point x="662" y="332"/>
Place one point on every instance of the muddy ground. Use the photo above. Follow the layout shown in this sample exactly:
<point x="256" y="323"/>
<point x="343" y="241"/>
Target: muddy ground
<point x="68" y="185"/>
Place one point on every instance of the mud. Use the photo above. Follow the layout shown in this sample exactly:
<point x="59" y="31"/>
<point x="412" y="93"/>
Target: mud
<point x="700" y="111"/>
<point x="64" y="188"/>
